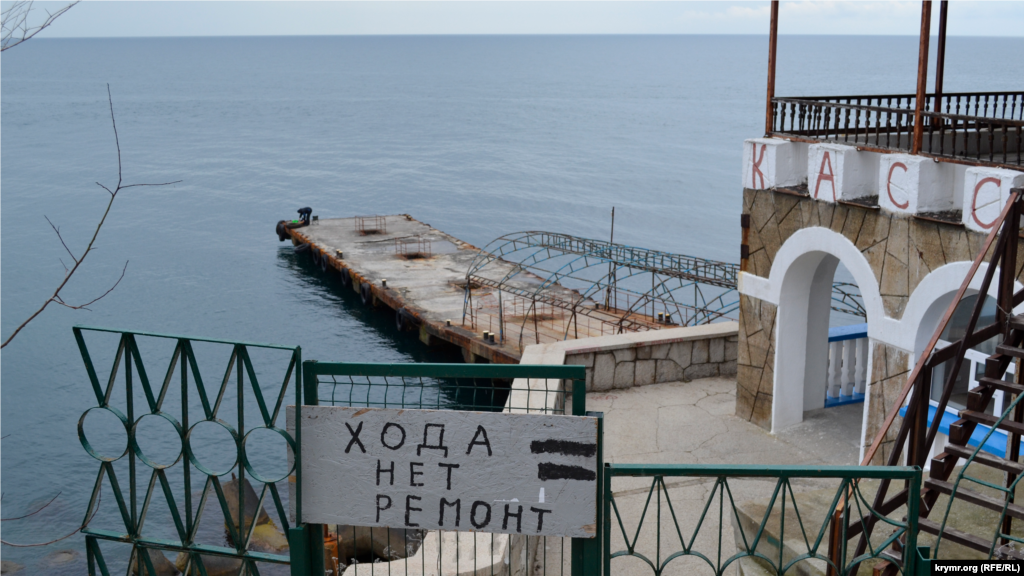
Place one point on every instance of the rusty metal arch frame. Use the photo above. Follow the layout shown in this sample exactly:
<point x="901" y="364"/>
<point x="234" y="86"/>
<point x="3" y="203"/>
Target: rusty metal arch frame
<point x="529" y="252"/>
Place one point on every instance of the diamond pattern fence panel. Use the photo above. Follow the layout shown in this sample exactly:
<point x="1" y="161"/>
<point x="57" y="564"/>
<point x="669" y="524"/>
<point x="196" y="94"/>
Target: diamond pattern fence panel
<point x="188" y="432"/>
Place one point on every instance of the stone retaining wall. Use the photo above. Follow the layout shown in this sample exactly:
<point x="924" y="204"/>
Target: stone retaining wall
<point x="641" y="358"/>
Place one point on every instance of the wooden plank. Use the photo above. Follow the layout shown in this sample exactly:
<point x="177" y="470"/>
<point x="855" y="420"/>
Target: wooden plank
<point x="990" y="420"/>
<point x="955" y="536"/>
<point x="976" y="498"/>
<point x="984" y="458"/>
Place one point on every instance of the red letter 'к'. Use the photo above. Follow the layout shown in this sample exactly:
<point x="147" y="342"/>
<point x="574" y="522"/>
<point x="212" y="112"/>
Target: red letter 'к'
<point x="755" y="164"/>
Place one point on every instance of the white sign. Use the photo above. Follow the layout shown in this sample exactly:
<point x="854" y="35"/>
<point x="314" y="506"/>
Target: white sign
<point x="504" y="473"/>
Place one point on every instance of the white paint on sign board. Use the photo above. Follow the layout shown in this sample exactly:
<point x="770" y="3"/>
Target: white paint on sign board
<point x="533" y="474"/>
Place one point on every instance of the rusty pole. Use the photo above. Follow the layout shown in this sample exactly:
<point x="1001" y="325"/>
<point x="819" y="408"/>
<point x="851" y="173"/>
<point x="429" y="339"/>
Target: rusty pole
<point x="773" y="36"/>
<point x="922" y="75"/>
<point x="940" y="55"/>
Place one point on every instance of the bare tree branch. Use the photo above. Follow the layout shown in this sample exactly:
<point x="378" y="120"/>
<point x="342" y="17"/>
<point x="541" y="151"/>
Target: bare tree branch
<point x="96" y="299"/>
<point x="56" y="297"/>
<point x="41" y="508"/>
<point x="99" y="500"/>
<point x="61" y="238"/>
<point x="15" y="26"/>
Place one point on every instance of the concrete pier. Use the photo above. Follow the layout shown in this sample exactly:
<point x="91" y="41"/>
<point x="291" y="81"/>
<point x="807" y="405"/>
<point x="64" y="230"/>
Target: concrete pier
<point x="418" y="273"/>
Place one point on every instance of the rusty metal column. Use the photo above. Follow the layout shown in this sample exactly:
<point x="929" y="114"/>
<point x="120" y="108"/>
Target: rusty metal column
<point x="922" y="75"/>
<point x="773" y="36"/>
<point x="501" y="319"/>
<point x="940" y="55"/>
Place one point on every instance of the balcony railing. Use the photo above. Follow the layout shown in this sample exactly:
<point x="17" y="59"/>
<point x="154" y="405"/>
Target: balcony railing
<point x="978" y="127"/>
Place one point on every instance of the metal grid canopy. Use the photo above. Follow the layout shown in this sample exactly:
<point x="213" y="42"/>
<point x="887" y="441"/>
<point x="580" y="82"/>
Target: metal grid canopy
<point x="239" y="379"/>
<point x="608" y="283"/>
<point x="580" y="275"/>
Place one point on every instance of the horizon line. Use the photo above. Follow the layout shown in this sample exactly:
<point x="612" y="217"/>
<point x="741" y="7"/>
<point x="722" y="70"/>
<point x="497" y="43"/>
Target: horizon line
<point x="158" y="36"/>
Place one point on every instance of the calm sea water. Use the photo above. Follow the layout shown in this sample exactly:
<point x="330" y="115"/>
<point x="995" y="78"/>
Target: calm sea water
<point x="479" y="136"/>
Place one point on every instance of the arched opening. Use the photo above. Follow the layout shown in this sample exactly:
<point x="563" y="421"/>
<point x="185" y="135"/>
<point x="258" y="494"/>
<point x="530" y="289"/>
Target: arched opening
<point x="970" y="371"/>
<point x="824" y="296"/>
<point x="801" y="282"/>
<point x="802" y="338"/>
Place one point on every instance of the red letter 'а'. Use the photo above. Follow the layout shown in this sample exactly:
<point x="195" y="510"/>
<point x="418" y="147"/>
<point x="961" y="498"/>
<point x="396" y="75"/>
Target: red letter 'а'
<point x="830" y="177"/>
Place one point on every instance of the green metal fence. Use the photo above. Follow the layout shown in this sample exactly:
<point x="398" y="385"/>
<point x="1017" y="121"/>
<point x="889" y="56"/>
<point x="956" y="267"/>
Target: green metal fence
<point x="686" y="532"/>
<point x="138" y="482"/>
<point x="658" y="537"/>
<point x="550" y="389"/>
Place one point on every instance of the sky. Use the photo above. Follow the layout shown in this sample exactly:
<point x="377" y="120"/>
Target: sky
<point x="249" y="18"/>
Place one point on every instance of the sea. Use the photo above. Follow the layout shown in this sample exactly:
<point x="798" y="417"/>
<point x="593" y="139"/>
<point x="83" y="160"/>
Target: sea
<point x="478" y="136"/>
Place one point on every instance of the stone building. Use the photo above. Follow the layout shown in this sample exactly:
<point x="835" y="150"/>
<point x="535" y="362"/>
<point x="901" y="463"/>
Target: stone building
<point x="902" y="190"/>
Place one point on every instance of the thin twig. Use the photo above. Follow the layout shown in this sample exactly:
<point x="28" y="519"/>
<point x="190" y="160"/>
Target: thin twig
<point x="99" y="500"/>
<point x="84" y="306"/>
<point x="56" y="297"/>
<point x="61" y="238"/>
<point x="41" y="508"/>
<point x="14" y="20"/>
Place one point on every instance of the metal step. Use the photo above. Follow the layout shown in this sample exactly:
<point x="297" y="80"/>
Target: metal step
<point x="985" y="459"/>
<point x="990" y="420"/>
<point x="983" y="500"/>
<point x="956" y="536"/>
<point x="1010" y="351"/>
<point x="1001" y="385"/>
<point x="1016" y="322"/>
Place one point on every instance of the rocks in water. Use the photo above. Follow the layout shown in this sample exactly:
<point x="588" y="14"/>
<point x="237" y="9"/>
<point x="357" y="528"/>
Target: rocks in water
<point x="266" y="537"/>
<point x="8" y="567"/>
<point x="215" y="565"/>
<point x="367" y="544"/>
<point x="252" y="508"/>
<point x="61" y="557"/>
<point x="161" y="565"/>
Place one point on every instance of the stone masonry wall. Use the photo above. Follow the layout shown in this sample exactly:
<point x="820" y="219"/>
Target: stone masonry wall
<point x="889" y="372"/>
<point x="645" y="363"/>
<point x="901" y="249"/>
<point x="755" y="362"/>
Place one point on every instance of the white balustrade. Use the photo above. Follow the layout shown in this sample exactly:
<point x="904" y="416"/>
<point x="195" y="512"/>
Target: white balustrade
<point x="847" y="365"/>
<point x="835" y="363"/>
<point x="849" y="353"/>
<point x="862" y="364"/>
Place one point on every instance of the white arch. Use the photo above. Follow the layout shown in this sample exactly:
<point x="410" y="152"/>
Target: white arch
<point x="795" y="284"/>
<point x="818" y="240"/>
<point x="800" y="283"/>
<point x="938" y="287"/>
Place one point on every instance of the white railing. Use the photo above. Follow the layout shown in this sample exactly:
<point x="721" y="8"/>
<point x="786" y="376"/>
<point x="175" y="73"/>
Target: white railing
<point x="975" y="363"/>
<point x="847" y="364"/>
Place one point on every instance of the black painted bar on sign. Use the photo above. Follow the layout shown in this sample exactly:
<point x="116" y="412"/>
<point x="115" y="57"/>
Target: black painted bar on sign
<point x="563" y="447"/>
<point x="549" y="471"/>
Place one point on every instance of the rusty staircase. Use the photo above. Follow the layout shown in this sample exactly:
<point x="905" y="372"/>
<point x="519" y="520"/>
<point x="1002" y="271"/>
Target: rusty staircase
<point x="916" y="435"/>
